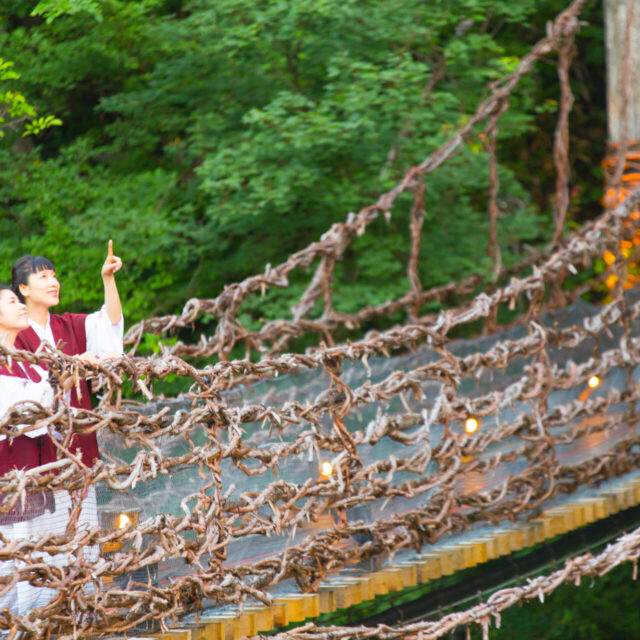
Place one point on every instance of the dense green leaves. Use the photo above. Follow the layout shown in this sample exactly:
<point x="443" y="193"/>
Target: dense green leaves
<point x="211" y="137"/>
<point x="15" y="112"/>
<point x="52" y="9"/>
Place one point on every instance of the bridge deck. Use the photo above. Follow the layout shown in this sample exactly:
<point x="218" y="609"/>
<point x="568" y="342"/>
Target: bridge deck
<point x="475" y="546"/>
<point x="357" y="585"/>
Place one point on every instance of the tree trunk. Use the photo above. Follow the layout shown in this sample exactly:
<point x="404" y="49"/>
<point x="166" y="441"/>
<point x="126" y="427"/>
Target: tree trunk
<point x="623" y="69"/>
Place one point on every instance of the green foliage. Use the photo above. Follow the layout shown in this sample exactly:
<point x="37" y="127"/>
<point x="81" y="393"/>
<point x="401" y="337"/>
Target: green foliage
<point x="68" y="209"/>
<point x="52" y="9"/>
<point x="14" y="108"/>
<point x="209" y="138"/>
<point x="40" y="124"/>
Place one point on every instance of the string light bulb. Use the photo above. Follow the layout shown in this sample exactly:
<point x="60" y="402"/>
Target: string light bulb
<point x="471" y="425"/>
<point x="593" y="382"/>
<point x="326" y="469"/>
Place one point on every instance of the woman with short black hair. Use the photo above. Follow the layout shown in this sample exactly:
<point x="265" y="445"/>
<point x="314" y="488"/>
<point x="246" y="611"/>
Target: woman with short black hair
<point x="90" y="336"/>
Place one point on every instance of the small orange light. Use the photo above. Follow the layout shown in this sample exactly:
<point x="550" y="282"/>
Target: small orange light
<point x="326" y="469"/>
<point x="611" y="280"/>
<point x="110" y="547"/>
<point x="471" y="425"/>
<point x="593" y="382"/>
<point x="609" y="257"/>
<point x="123" y="521"/>
<point x="610" y="198"/>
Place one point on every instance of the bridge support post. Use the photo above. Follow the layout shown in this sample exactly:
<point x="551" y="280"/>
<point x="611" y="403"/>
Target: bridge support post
<point x="622" y="38"/>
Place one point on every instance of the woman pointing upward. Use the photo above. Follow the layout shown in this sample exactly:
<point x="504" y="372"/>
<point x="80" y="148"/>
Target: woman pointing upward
<point x="91" y="336"/>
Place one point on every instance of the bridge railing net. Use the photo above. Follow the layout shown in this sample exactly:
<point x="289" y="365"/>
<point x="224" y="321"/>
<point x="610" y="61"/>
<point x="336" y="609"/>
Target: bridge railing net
<point x="216" y="496"/>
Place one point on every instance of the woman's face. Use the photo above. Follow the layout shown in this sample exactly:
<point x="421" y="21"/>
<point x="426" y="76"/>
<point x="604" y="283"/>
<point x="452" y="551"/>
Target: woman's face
<point x="42" y="288"/>
<point x="13" y="314"/>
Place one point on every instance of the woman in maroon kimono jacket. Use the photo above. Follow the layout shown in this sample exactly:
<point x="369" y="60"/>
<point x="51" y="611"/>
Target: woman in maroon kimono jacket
<point x="87" y="335"/>
<point x="20" y="383"/>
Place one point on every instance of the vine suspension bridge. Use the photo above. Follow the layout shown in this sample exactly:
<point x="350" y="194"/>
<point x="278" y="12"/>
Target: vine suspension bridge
<point x="285" y="481"/>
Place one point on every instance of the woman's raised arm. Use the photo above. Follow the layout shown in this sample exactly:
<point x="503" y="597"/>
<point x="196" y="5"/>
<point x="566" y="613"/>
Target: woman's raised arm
<point x="111" y="296"/>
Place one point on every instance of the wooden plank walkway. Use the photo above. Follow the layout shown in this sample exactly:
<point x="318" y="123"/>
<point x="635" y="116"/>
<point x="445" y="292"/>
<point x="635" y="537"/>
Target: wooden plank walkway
<point x="345" y="591"/>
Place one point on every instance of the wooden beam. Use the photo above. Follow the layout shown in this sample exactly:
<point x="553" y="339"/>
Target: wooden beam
<point x="616" y="23"/>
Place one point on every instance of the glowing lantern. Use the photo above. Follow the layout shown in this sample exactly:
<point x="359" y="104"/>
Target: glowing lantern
<point x="124" y="521"/>
<point x="471" y="425"/>
<point x="118" y="514"/>
<point x="326" y="469"/>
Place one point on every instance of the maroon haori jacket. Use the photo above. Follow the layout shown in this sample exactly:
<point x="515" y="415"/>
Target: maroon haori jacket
<point x="70" y="329"/>
<point x="24" y="452"/>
